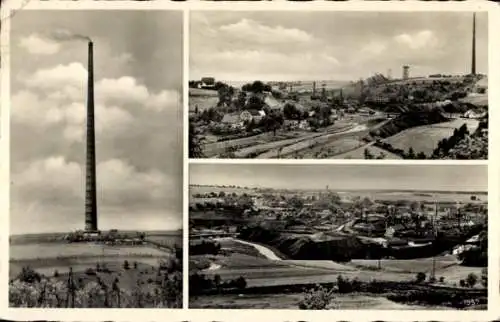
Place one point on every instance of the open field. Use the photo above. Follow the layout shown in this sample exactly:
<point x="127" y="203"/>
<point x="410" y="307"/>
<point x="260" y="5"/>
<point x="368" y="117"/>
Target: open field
<point x="142" y="275"/>
<point x="291" y="301"/>
<point x="260" y="272"/>
<point x="202" y="98"/>
<point x="332" y="148"/>
<point x="267" y="145"/>
<point x="304" y="147"/>
<point x="165" y="239"/>
<point x="203" y="103"/>
<point x="46" y="258"/>
<point x="425" y="138"/>
<point x="200" y="92"/>
<point x="411" y="266"/>
<point x="359" y="153"/>
<point x="24" y="252"/>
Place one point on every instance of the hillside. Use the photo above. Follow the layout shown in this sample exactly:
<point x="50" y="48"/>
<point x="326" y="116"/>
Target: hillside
<point x="408" y="120"/>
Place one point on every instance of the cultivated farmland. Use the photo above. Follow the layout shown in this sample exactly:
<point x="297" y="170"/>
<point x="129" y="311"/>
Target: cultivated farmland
<point x="425" y="138"/>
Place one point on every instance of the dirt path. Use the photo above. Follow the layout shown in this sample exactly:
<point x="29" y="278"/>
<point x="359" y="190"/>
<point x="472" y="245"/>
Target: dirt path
<point x="269" y="254"/>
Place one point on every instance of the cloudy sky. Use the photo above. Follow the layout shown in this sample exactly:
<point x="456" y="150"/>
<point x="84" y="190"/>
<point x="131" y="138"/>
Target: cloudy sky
<point x="243" y="46"/>
<point x="344" y="177"/>
<point x="138" y="81"/>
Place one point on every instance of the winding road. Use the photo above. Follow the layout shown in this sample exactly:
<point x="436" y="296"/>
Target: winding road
<point x="269" y="254"/>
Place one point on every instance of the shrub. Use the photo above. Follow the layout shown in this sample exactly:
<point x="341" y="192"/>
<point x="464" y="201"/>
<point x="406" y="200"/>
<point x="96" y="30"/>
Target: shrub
<point x="56" y="273"/>
<point x="344" y="285"/>
<point x="432" y="279"/>
<point x="441" y="279"/>
<point x="90" y="271"/>
<point x="316" y="299"/>
<point x="240" y="282"/>
<point x="484" y="277"/>
<point x="374" y="287"/>
<point x="471" y="280"/>
<point x="462" y="283"/>
<point x="420" y="277"/>
<point x="29" y="275"/>
<point x="126" y="265"/>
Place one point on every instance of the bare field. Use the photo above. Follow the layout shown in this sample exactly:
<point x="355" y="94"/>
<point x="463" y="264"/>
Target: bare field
<point x="425" y="138"/>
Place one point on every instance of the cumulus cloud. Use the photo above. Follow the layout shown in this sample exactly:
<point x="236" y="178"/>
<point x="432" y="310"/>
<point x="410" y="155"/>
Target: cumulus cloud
<point x="418" y="40"/>
<point x="60" y="76"/>
<point x="68" y="83"/>
<point x="33" y="110"/>
<point x="268" y="62"/>
<point x="37" y="45"/>
<point x="57" y="179"/>
<point x="248" y="47"/>
<point x="374" y="47"/>
<point x="254" y="32"/>
<point x="126" y="183"/>
<point x="137" y="134"/>
<point x="239" y="46"/>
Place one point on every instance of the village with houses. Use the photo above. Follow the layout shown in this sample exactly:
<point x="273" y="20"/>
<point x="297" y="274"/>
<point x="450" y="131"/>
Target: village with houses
<point x="411" y="248"/>
<point x="431" y="117"/>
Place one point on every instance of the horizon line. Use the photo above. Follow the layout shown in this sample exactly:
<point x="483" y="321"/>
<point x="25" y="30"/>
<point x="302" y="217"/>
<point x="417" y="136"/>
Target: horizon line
<point x="330" y="79"/>
<point x="119" y="230"/>
<point x="341" y="190"/>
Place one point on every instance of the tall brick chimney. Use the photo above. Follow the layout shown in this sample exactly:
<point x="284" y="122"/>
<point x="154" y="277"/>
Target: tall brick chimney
<point x="473" y="67"/>
<point x="90" y="168"/>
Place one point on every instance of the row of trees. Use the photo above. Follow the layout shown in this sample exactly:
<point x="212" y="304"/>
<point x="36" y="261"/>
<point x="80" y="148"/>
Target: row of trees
<point x="256" y="87"/>
<point x="199" y="283"/>
<point x="321" y="298"/>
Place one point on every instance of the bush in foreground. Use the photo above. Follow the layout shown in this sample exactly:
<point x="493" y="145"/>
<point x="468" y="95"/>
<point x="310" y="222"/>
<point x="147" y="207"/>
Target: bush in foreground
<point x="316" y="299"/>
<point x="471" y="280"/>
<point x="420" y="277"/>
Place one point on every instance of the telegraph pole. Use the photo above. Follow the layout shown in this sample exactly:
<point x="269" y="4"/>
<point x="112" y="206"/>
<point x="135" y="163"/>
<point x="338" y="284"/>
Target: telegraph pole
<point x="433" y="273"/>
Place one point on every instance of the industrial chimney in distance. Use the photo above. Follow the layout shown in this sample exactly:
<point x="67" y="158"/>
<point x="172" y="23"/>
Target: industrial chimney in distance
<point x="90" y="168"/>
<point x="473" y="64"/>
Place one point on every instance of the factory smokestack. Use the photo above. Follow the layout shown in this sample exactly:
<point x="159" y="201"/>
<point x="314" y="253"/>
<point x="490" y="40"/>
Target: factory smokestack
<point x="90" y="168"/>
<point x="473" y="66"/>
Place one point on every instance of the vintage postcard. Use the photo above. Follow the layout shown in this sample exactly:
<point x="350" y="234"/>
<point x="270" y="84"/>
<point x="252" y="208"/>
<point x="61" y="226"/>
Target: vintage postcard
<point x="242" y="161"/>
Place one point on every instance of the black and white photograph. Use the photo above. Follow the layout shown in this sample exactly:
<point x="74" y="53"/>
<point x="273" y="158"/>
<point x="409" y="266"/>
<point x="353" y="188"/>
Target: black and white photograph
<point x="96" y="159"/>
<point x="337" y="236"/>
<point x="338" y="85"/>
